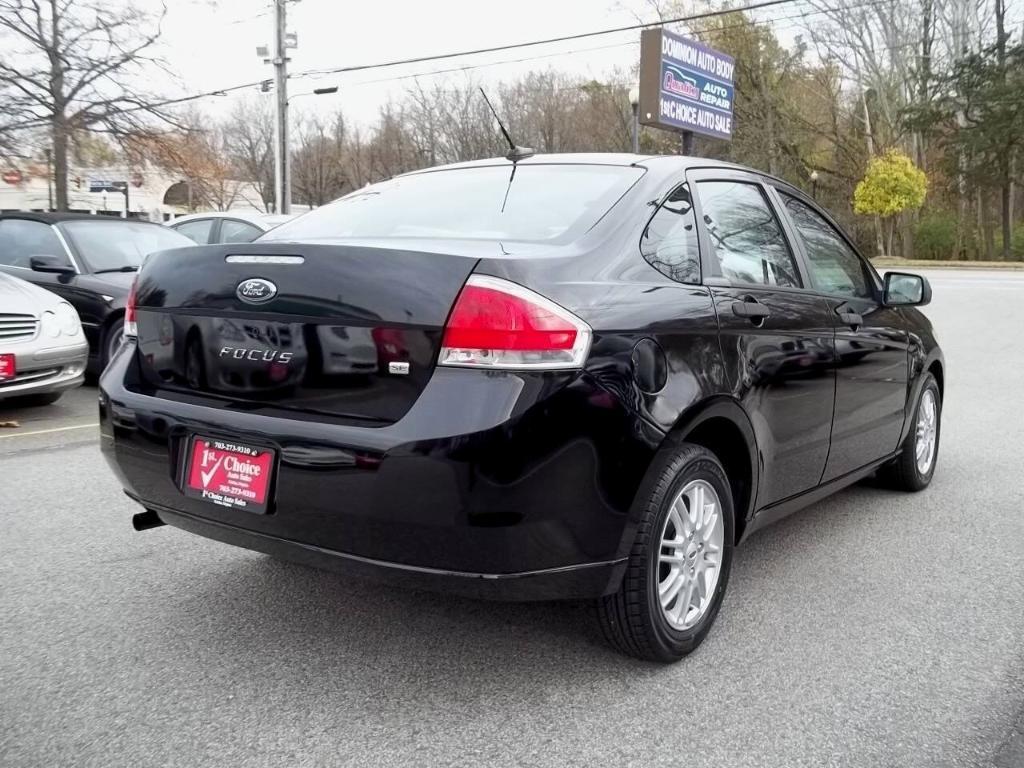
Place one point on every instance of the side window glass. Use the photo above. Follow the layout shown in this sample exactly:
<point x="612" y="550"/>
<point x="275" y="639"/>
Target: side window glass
<point x="745" y="234"/>
<point x="235" y="231"/>
<point x="21" y="239"/>
<point x="834" y="266"/>
<point x="669" y="242"/>
<point x="198" y="230"/>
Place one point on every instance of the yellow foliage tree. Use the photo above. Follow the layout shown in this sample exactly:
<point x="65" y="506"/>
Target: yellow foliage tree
<point x="892" y="184"/>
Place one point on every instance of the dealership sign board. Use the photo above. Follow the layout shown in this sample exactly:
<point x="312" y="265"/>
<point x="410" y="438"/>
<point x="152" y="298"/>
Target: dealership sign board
<point x="684" y="85"/>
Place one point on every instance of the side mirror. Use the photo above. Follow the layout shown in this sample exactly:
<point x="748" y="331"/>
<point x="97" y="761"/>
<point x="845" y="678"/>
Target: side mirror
<point x="53" y="264"/>
<point x="906" y="290"/>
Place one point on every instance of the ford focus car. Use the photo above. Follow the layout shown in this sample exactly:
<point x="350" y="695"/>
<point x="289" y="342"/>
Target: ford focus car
<point x="594" y="376"/>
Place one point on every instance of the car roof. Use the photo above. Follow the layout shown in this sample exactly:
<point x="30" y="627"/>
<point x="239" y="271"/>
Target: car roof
<point x="564" y="158"/>
<point x="52" y="218"/>
<point x="252" y="217"/>
<point x="57" y="218"/>
<point x="623" y="159"/>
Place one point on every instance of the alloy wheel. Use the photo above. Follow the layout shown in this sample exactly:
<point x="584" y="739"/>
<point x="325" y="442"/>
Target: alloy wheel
<point x="690" y="555"/>
<point x="927" y="431"/>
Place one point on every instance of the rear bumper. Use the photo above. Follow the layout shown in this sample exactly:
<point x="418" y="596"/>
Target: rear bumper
<point x="502" y="486"/>
<point x="573" y="581"/>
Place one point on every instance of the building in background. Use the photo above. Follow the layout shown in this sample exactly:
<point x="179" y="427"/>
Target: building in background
<point x="152" y="192"/>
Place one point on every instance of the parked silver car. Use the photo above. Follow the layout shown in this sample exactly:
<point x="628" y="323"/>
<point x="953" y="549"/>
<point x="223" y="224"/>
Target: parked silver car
<point x="226" y="226"/>
<point x="42" y="348"/>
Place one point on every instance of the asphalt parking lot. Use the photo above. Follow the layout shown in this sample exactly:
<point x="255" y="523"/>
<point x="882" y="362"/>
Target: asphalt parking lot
<point x="872" y="629"/>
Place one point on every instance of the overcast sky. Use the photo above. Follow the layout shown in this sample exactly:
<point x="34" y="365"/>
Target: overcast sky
<point x="213" y="45"/>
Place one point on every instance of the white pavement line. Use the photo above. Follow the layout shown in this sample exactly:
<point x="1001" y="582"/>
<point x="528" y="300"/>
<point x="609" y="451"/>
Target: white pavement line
<point x="49" y="431"/>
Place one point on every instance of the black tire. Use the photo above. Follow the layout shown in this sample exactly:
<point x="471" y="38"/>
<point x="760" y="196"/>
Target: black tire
<point x="112" y="339"/>
<point x="902" y="473"/>
<point x="631" y="619"/>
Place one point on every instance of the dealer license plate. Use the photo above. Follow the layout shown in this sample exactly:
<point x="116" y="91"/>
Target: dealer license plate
<point x="7" y="370"/>
<point x="229" y="474"/>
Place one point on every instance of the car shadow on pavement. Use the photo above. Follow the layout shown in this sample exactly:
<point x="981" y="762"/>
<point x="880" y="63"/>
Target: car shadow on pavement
<point x="251" y="606"/>
<point x="258" y="607"/>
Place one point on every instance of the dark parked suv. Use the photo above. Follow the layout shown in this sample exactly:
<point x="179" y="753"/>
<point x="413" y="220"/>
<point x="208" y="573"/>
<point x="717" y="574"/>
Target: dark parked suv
<point x="589" y="376"/>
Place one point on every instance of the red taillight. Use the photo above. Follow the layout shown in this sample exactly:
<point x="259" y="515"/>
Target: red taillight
<point x="131" y="328"/>
<point x="498" y="324"/>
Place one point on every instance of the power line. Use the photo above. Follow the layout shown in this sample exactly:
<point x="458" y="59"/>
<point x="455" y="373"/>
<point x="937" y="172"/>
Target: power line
<point x="37" y="122"/>
<point x="702" y="35"/>
<point x="563" y="39"/>
<point x="437" y="57"/>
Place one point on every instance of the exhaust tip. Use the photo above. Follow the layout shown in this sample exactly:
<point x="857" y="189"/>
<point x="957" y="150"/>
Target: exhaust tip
<point x="143" y="521"/>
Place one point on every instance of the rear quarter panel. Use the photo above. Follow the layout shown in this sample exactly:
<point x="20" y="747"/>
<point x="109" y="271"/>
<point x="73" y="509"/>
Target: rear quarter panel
<point x="635" y="303"/>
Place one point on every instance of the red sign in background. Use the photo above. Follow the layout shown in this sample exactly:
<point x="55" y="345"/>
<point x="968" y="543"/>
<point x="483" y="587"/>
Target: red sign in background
<point x="229" y="474"/>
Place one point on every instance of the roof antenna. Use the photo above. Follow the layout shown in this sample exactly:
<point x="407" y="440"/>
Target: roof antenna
<point x="515" y="152"/>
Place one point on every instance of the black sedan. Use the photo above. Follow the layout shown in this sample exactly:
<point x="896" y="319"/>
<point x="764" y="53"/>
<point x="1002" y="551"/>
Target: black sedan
<point x="90" y="261"/>
<point x="592" y="376"/>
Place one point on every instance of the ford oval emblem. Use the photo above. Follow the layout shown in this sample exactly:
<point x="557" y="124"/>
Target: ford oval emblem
<point x="256" y="290"/>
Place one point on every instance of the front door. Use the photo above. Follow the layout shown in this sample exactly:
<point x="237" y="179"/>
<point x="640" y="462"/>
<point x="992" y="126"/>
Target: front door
<point x="871" y="345"/>
<point x="776" y="337"/>
<point x="20" y="240"/>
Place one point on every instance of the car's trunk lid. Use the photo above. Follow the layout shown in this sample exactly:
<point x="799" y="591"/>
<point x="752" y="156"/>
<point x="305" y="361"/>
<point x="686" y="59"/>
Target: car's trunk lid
<point x="342" y="330"/>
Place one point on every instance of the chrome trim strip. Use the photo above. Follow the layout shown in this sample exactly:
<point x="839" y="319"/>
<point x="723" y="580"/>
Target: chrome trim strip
<point x="241" y="259"/>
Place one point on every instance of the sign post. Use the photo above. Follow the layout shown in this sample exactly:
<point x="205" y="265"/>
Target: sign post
<point x="105" y="185"/>
<point x="685" y="86"/>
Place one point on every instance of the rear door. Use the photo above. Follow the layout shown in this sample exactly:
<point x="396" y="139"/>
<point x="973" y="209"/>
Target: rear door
<point x="237" y="231"/>
<point x="777" y="337"/>
<point x="871" y="343"/>
<point x="199" y="230"/>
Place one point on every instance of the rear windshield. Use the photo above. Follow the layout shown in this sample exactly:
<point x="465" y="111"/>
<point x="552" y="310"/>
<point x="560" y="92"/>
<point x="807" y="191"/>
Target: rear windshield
<point x="543" y="203"/>
<point x="114" y="246"/>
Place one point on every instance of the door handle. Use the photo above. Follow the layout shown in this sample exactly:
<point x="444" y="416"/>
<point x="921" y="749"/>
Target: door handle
<point x="849" y="317"/>
<point x="751" y="309"/>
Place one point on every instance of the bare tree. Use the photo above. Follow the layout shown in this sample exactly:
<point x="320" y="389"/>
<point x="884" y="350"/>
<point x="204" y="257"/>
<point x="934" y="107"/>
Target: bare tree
<point x="318" y="170"/>
<point x="248" y="135"/>
<point x="71" y="65"/>
<point x="196" y="154"/>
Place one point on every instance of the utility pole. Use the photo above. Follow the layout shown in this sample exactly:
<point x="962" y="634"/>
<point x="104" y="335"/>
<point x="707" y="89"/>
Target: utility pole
<point x="879" y="244"/>
<point x="282" y="169"/>
<point x="49" y="178"/>
<point x="634" y="103"/>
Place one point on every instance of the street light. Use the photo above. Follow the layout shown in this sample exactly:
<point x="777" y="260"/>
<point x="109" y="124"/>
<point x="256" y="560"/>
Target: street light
<point x="634" y="102"/>
<point x="315" y="92"/>
<point x="814" y="185"/>
<point x="282" y="160"/>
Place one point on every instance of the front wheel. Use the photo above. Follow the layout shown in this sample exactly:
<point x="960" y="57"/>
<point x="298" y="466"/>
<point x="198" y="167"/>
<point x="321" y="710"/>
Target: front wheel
<point x="913" y="468"/>
<point x="679" y="566"/>
<point x="112" y="341"/>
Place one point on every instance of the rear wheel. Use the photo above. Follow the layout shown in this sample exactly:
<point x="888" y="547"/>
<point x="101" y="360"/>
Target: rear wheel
<point x="913" y="468"/>
<point x="679" y="565"/>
